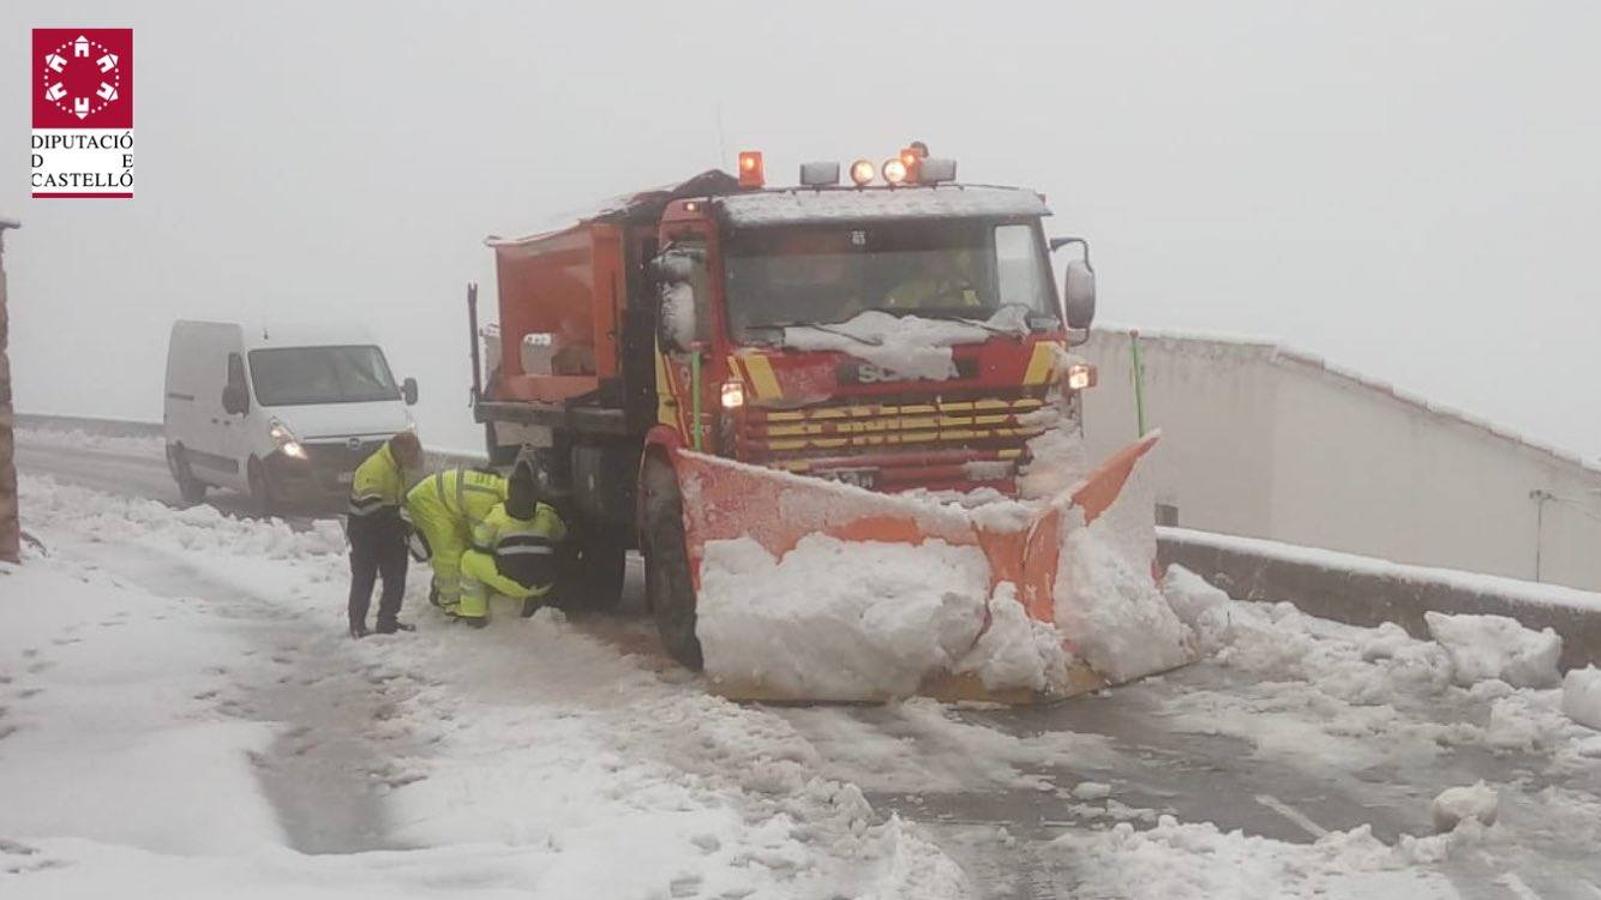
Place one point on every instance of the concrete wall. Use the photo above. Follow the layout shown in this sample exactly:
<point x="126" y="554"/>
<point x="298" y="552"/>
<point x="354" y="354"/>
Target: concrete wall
<point x="1268" y="443"/>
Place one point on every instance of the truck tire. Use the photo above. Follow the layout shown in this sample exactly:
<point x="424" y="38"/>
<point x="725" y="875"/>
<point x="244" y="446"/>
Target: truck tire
<point x="595" y="573"/>
<point x="262" y="501"/>
<point x="191" y="489"/>
<point x="668" y="586"/>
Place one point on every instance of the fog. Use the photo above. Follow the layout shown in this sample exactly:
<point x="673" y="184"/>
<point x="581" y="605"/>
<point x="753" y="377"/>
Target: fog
<point x="1410" y="190"/>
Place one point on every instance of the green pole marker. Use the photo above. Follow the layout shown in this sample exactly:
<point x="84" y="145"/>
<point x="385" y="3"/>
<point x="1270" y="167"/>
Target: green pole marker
<point x="1139" y="381"/>
<point x="694" y="387"/>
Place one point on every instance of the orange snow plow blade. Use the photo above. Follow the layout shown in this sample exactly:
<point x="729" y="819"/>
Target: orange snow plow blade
<point x="726" y="501"/>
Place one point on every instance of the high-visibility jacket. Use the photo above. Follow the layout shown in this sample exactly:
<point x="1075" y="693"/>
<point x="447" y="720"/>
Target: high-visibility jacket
<point x="378" y="486"/>
<point x="464" y="495"/>
<point x="524" y="550"/>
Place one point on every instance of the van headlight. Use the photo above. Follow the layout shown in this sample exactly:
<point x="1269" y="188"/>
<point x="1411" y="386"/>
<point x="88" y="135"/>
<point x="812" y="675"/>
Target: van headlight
<point x="288" y="445"/>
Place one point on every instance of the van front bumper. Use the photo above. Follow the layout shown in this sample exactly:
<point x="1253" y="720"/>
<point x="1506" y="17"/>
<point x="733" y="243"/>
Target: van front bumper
<point x="325" y="474"/>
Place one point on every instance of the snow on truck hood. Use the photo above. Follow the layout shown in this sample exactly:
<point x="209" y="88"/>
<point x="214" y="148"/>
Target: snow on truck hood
<point x="320" y="421"/>
<point x="909" y="346"/>
<point x="877" y="204"/>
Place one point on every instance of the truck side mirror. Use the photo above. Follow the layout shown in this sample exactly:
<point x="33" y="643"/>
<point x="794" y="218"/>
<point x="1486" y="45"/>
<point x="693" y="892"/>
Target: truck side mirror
<point x="676" y="325"/>
<point x="1078" y="294"/>
<point x="408" y="391"/>
<point x="234" y="400"/>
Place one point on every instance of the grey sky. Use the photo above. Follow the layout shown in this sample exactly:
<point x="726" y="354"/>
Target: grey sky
<point x="1411" y="190"/>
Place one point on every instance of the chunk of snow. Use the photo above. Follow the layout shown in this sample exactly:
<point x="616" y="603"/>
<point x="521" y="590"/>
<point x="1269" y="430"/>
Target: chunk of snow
<point x="1204" y="608"/>
<point x="1107" y="603"/>
<point x="1016" y="651"/>
<point x="839" y="620"/>
<point x="1484" y="647"/>
<point x="1456" y="805"/>
<point x="1581" y="696"/>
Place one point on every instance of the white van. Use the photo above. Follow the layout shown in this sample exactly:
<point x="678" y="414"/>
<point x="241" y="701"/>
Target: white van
<point x="284" y="414"/>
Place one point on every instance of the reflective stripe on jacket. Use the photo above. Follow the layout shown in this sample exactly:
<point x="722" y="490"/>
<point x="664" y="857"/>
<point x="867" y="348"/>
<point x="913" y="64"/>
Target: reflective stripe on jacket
<point x="524" y="549"/>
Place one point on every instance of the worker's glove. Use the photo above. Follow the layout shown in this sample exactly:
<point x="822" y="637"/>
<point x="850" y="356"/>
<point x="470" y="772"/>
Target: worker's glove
<point x="531" y="605"/>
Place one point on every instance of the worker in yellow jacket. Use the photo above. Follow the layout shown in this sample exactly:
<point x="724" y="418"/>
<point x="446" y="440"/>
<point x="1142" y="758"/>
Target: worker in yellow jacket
<point x="514" y="551"/>
<point x="444" y="508"/>
<point x="377" y="532"/>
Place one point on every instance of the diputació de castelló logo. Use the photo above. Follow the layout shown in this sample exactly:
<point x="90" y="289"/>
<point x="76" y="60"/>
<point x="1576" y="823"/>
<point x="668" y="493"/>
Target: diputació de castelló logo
<point x="82" y="86"/>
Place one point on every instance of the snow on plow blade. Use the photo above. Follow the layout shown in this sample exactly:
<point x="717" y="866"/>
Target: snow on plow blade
<point x="811" y="590"/>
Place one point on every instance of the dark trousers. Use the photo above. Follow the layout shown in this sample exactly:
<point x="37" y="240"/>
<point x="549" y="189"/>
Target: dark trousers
<point x="377" y="549"/>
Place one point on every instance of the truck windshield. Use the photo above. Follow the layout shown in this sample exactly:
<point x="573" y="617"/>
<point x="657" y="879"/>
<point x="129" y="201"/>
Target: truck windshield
<point x="298" y="376"/>
<point x="830" y="274"/>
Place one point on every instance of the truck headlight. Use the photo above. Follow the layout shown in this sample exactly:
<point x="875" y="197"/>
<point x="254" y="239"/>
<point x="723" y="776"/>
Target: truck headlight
<point x="733" y="394"/>
<point x="285" y="439"/>
<point x="1080" y="376"/>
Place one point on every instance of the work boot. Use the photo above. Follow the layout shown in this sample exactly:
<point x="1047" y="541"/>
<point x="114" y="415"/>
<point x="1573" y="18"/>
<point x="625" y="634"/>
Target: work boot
<point x="391" y="627"/>
<point x="433" y="596"/>
<point x="474" y="621"/>
<point x="358" y="630"/>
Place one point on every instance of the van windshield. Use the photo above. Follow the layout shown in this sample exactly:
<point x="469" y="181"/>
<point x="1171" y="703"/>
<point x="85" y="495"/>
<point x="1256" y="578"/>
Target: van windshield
<point x="300" y="376"/>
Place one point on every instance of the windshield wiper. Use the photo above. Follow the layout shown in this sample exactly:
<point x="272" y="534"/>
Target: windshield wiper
<point x="831" y="329"/>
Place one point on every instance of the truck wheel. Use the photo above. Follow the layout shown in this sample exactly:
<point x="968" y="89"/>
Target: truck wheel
<point x="190" y="489"/>
<point x="668" y="585"/>
<point x="595" y="577"/>
<point x="262" y="501"/>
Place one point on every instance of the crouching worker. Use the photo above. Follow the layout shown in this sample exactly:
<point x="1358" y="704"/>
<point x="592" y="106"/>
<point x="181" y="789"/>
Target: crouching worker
<point x="377" y="532"/>
<point x="444" y="508"/>
<point x="514" y="551"/>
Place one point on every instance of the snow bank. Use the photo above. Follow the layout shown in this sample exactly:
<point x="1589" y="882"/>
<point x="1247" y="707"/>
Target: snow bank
<point x="1485" y="647"/>
<point x="839" y="620"/>
<point x="1456" y="805"/>
<point x="1107" y="603"/>
<point x="1581" y="696"/>
<point x="908" y="347"/>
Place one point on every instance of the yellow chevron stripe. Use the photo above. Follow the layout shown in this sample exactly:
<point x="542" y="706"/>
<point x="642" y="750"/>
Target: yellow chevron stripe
<point x="1040" y="364"/>
<point x="762" y="379"/>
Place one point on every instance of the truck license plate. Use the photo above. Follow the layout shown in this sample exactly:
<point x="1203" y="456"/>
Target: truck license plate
<point x="862" y="478"/>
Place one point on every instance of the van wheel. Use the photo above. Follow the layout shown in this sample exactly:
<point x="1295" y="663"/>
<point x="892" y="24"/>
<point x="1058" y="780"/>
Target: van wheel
<point x="668" y="585"/>
<point x="262" y="501"/>
<point x="191" y="489"/>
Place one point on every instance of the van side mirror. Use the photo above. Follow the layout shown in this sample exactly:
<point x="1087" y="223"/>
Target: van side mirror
<point x="1078" y="294"/>
<point x="408" y="391"/>
<point x="235" y="401"/>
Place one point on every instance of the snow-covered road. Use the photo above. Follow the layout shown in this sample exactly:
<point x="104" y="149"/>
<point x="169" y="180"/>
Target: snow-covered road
<point x="567" y="759"/>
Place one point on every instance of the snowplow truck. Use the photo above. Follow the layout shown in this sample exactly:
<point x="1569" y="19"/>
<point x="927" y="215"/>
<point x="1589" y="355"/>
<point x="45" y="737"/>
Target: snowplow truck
<point x="886" y="362"/>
